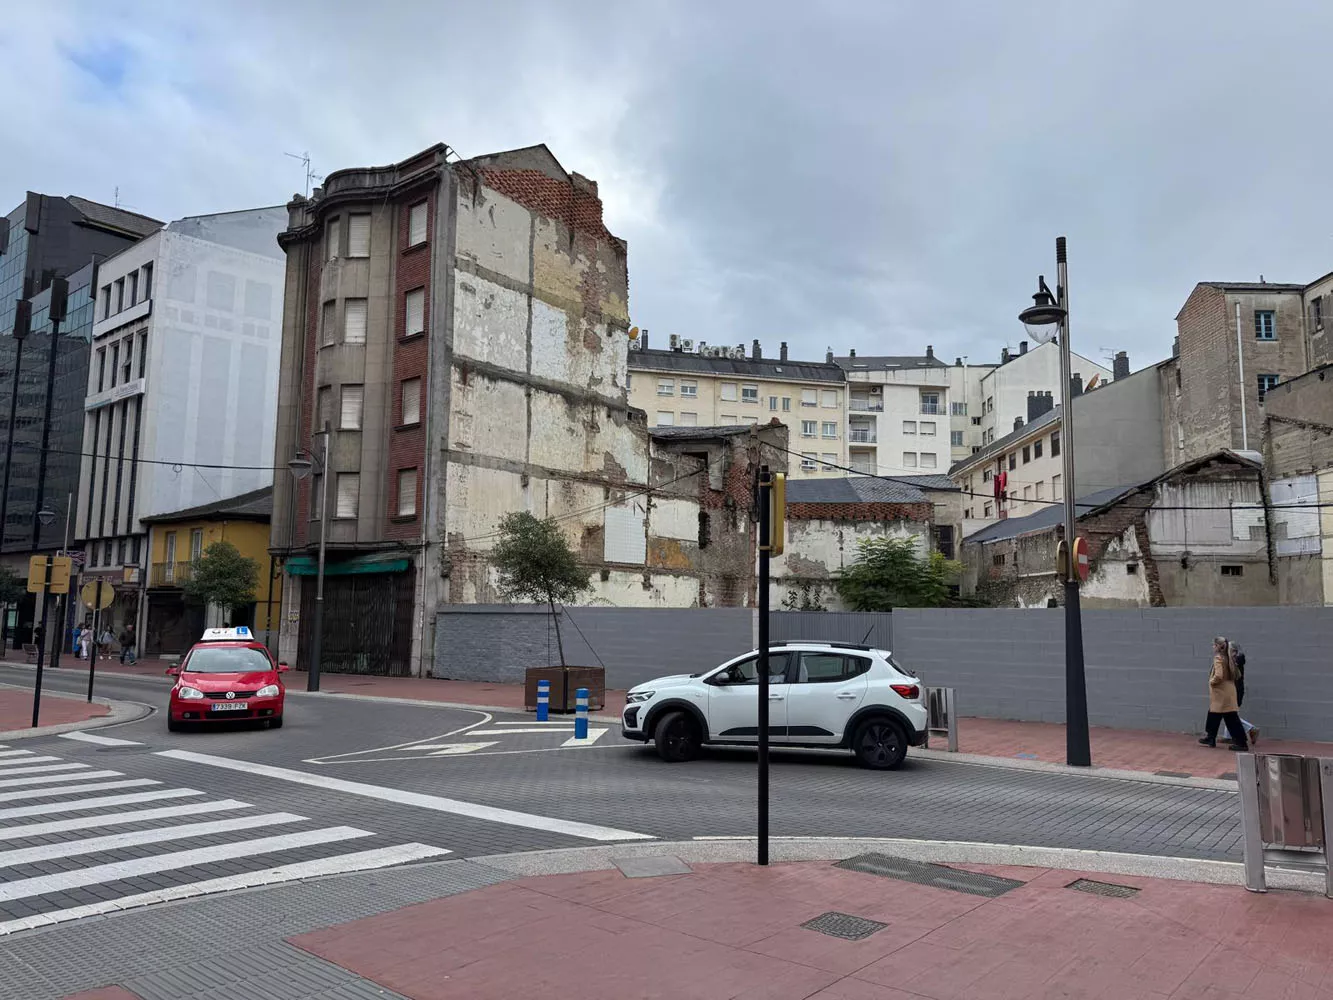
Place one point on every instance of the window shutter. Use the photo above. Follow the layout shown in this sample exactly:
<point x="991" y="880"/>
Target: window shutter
<point x="416" y="224"/>
<point x="353" y="395"/>
<point x="358" y="235"/>
<point x="349" y="493"/>
<point x="331" y="239"/>
<point x="354" y="321"/>
<point x="407" y="492"/>
<point x="416" y="312"/>
<point x="328" y="334"/>
<point x="411" y="401"/>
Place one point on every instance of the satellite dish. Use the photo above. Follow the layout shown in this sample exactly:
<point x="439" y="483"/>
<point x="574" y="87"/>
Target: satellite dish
<point x="634" y="333"/>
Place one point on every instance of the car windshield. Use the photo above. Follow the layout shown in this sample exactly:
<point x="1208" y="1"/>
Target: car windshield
<point x="226" y="660"/>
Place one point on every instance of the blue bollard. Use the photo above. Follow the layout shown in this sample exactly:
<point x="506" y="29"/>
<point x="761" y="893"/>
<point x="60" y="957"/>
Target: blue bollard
<point x="543" y="700"/>
<point x="581" y="714"/>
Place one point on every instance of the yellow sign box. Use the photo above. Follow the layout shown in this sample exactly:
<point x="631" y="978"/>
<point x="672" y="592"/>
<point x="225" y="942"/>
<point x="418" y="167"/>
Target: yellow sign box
<point x="36" y="574"/>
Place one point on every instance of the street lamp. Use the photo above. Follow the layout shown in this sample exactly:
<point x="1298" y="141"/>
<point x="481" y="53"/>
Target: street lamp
<point x="1046" y="318"/>
<point x="301" y="466"/>
<point x="47" y="516"/>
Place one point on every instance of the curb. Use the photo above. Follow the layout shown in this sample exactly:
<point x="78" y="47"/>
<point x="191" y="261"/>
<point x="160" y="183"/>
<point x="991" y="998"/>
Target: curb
<point x="424" y="703"/>
<point x="1049" y="767"/>
<point x="121" y="713"/>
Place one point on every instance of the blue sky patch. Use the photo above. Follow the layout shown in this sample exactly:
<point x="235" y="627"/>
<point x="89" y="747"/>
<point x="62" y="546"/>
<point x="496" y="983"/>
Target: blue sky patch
<point x="105" y="62"/>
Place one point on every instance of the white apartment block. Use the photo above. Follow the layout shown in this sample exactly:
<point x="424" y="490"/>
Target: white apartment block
<point x="897" y="414"/>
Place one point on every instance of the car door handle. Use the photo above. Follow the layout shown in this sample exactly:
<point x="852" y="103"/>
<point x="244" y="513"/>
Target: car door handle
<point x="847" y="695"/>
<point x="776" y="697"/>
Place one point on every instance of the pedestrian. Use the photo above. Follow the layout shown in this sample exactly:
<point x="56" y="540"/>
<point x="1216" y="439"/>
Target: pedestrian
<point x="85" y="642"/>
<point x="1222" y="705"/>
<point x="127" y="644"/>
<point x="1237" y="656"/>
<point x="107" y="640"/>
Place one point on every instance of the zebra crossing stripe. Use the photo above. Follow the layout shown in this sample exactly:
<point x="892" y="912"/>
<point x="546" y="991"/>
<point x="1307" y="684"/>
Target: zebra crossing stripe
<point x="109" y="741"/>
<point x="45" y="779"/>
<point x="114" y="871"/>
<point x="337" y="865"/>
<point x="44" y="769"/>
<point x="114" y="819"/>
<point x="41" y="793"/>
<point x="97" y="803"/>
<point x="17" y="753"/>
<point x="137" y="838"/>
<point x="31" y="758"/>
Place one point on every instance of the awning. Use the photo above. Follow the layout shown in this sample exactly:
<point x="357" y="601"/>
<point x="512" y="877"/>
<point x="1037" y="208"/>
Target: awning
<point x="371" y="562"/>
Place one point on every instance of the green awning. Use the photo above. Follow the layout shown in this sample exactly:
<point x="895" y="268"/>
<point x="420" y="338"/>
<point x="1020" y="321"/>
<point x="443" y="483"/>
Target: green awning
<point x="371" y="562"/>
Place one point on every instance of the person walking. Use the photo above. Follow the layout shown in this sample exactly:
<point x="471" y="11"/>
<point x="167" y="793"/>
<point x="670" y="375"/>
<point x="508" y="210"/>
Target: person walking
<point x="1222" y="706"/>
<point x="127" y="644"/>
<point x="107" y="640"/>
<point x="1237" y="657"/>
<point x="85" y="642"/>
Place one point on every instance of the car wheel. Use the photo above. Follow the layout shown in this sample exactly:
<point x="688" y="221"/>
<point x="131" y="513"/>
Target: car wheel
<point x="880" y="744"/>
<point x="275" y="722"/>
<point x="173" y="726"/>
<point x="677" y="737"/>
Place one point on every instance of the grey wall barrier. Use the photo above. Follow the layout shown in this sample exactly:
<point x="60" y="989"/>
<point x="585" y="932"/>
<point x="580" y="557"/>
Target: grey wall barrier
<point x="834" y="626"/>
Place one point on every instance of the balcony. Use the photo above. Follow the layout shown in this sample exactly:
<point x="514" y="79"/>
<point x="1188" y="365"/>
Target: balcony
<point x="863" y="468"/>
<point x="861" y="435"/>
<point x="933" y="409"/>
<point x="170" y="574"/>
<point x="866" y="405"/>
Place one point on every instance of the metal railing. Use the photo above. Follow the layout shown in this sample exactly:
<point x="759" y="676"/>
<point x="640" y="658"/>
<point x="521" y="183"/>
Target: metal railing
<point x="933" y="409"/>
<point x="866" y="405"/>
<point x="861" y="435"/>
<point x="170" y="574"/>
<point x="1286" y="815"/>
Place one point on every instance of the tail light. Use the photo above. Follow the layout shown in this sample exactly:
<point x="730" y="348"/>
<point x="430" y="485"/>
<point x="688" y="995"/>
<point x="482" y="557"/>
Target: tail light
<point x="909" y="691"/>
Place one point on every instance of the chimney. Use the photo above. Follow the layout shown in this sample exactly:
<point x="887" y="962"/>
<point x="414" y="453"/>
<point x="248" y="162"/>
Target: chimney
<point x="782" y="353"/>
<point x="958" y="362"/>
<point x="1175" y="348"/>
<point x="1022" y="347"/>
<point x="643" y="339"/>
<point x="852" y="353"/>
<point x="1039" y="403"/>
<point x="828" y="357"/>
<point x="930" y="352"/>
<point x="1018" y="422"/>
<point x="1120" y="366"/>
<point x="756" y="352"/>
<point x="1004" y="355"/>
<point x="1075" y="385"/>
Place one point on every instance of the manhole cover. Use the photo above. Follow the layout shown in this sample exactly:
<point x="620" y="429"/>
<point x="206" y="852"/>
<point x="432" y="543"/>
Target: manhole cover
<point x="1103" y="888"/>
<point x="844" y="925"/>
<point x="937" y="876"/>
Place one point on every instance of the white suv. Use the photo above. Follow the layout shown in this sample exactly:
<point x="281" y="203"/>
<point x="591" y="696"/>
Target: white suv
<point x="821" y="694"/>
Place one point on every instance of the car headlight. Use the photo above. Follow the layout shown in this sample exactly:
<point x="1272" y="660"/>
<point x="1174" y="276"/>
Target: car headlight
<point x="268" y="691"/>
<point x="188" y="693"/>
<point x="634" y="697"/>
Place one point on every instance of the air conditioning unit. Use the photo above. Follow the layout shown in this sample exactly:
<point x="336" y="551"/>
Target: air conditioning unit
<point x="687" y="345"/>
<point x="738" y="353"/>
<point x="675" y="341"/>
<point x="703" y="348"/>
<point x="874" y="390"/>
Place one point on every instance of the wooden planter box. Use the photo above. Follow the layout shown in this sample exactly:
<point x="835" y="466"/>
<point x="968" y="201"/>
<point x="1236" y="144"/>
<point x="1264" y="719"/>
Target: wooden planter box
<point x="565" y="682"/>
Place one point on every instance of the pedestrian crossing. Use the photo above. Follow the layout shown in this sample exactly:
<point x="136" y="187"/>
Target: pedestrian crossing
<point x="78" y="840"/>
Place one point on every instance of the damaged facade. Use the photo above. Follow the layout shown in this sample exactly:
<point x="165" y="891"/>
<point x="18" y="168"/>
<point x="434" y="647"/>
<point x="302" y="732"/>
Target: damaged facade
<point x="1197" y="535"/>
<point x="461" y="328"/>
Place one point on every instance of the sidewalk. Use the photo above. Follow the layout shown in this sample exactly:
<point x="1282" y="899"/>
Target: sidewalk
<point x="734" y="932"/>
<point x="56" y="709"/>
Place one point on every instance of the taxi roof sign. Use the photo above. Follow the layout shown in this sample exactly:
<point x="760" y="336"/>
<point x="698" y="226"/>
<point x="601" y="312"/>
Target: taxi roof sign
<point x="241" y="633"/>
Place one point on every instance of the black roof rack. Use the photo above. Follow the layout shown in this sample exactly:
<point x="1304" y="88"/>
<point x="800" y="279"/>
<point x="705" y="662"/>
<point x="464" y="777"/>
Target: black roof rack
<point x="823" y="642"/>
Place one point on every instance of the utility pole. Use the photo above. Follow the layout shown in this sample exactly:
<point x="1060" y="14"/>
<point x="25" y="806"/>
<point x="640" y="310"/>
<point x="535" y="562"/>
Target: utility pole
<point x="771" y="501"/>
<point x="46" y="575"/>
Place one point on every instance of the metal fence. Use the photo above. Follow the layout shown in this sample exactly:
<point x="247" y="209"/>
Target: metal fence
<point x="867" y="628"/>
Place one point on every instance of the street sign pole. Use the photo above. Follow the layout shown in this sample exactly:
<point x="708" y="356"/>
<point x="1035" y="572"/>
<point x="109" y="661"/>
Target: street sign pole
<point x="97" y="625"/>
<point x="765" y="486"/>
<point x="41" y="642"/>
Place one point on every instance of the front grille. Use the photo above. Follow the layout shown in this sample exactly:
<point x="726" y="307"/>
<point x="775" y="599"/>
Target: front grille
<point x="222" y="695"/>
<point x="632" y="716"/>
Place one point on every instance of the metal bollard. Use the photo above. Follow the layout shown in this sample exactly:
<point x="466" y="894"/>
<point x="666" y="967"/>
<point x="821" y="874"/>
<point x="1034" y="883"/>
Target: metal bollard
<point x="581" y="714"/>
<point x="543" y="700"/>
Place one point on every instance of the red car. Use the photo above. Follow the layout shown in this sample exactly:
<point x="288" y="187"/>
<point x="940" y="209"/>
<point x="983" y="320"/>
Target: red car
<point x="227" y="675"/>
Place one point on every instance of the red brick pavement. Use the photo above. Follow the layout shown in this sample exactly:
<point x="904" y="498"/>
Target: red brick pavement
<point x="733" y="931"/>
<point x="16" y="709"/>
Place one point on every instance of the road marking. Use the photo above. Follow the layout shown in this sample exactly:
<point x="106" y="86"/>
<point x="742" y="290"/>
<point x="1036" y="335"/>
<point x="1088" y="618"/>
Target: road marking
<point x="40" y="793"/>
<point x="109" y="741"/>
<point x="43" y="769"/>
<point x="485" y="718"/>
<point x="492" y="814"/>
<point x="593" y="736"/>
<point x="508" y="732"/>
<point x="114" y="871"/>
<point x="97" y="803"/>
<point x="114" y="819"/>
<point x="29" y="759"/>
<point x="337" y="865"/>
<point x="157" y="835"/>
<point x="536" y="722"/>
<point x="50" y="779"/>
<point x="453" y="749"/>
<point x="19" y="753"/>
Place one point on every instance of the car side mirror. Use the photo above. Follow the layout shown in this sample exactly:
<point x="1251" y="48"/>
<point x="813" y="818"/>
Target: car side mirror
<point x="721" y="680"/>
<point x="283" y="668"/>
<point x="173" y="671"/>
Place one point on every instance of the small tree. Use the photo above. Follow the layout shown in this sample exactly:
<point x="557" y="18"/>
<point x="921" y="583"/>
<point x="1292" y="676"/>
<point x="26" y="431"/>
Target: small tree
<point x="536" y="564"/>
<point x="12" y="590"/>
<point x="224" y="577"/>
<point x="890" y="574"/>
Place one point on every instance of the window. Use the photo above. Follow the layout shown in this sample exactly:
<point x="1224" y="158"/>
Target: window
<point x="1265" y="324"/>
<point x="316" y="497"/>
<point x="1027" y="493"/>
<point x="689" y="420"/>
<point x="1131" y="569"/>
<point x="955" y="439"/>
<point x="930" y="402"/>
<point x="690" y="390"/>
<point x="1027" y="454"/>
<point x="148" y="281"/>
<point x="115" y="363"/>
<point x="746" y="672"/>
<point x="407" y="492"/>
<point x="909" y="426"/>
<point x="331" y="239"/>
<point x="829" y="429"/>
<point x="134" y="288"/>
<point x="143" y="353"/>
<point x="808" y="460"/>
<point x="927" y="428"/>
<point x="976" y="448"/>
<point x="987" y="475"/>
<point x="414" y="309"/>
<point x="127" y="360"/>
<point x="410" y="393"/>
<point x="1233" y="570"/>
<point x="987" y="510"/>
<point x="1055" y="444"/>
<point x="928" y="460"/>
<point x="323" y="406"/>
<point x="196" y="544"/>
<point x="786" y="404"/>
<point x="829" y="668"/>
<point x="957" y="409"/>
<point x="665" y="418"/>
<point x="997" y="559"/>
<point x="106" y="301"/>
<point x="830" y="460"/>
<point x="349" y="494"/>
<point x="1041" y="485"/>
<point x="772" y="402"/>
<point x="354" y="321"/>
<point x="1036" y="449"/>
<point x="666" y="387"/>
<point x="727" y="392"/>
<point x="990" y="404"/>
<point x="1266" y="382"/>
<point x="1055" y="488"/>
<point x="809" y="428"/>
<point x="809" y="397"/>
<point x="749" y="394"/>
<point x="1317" y="313"/>
<point x="976" y="421"/>
<point x="416" y="224"/>
<point x="120" y="294"/>
<point x="729" y="420"/>
<point x="1013" y="460"/>
<point x="327" y="332"/>
<point x="830" y="399"/>
<point x="750" y="421"/>
<point x="358" y="235"/>
<point x="350" y="416"/>
<point x="909" y="460"/>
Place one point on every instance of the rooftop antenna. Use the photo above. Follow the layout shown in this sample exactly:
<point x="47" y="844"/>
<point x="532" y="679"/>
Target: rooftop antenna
<point x="118" y="203"/>
<point x="309" y="176"/>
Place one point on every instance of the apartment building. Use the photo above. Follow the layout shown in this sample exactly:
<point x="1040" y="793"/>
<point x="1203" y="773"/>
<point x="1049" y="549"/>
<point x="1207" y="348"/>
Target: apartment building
<point x="709" y="386"/>
<point x="897" y="413"/>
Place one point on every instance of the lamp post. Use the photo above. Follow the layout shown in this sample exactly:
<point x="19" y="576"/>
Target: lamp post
<point x="301" y="467"/>
<point x="1048" y="317"/>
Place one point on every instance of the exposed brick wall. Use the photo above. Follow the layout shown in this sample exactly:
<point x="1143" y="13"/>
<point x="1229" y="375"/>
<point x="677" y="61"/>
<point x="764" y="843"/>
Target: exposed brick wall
<point x="407" y="446"/>
<point x="860" y="511"/>
<point x="576" y="207"/>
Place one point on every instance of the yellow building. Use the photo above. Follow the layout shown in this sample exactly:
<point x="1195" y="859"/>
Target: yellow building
<point x="719" y="387"/>
<point x="169" y="624"/>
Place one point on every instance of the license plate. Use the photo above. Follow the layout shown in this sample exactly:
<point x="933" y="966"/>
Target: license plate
<point x="229" y="706"/>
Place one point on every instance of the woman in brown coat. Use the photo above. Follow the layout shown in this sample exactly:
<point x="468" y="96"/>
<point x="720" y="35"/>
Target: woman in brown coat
<point x="1222" y="704"/>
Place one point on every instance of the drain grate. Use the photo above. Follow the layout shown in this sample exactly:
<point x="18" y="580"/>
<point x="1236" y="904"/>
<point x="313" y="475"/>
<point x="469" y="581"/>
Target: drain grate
<point x="844" y="925"/>
<point x="922" y="873"/>
<point x="1173" y="774"/>
<point x="1103" y="888"/>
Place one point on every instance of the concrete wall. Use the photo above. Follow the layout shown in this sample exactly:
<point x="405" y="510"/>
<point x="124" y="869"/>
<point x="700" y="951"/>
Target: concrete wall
<point x="1118" y="434"/>
<point x="816" y="551"/>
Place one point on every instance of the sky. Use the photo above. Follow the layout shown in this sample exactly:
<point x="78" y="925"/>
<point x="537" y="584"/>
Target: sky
<point x="869" y="174"/>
